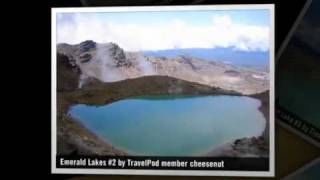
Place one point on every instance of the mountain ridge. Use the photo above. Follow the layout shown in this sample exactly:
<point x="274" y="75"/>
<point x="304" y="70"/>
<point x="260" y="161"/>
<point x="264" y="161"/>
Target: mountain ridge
<point x="108" y="62"/>
<point x="254" y="59"/>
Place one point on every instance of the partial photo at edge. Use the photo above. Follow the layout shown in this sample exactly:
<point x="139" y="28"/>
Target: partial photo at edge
<point x="195" y="89"/>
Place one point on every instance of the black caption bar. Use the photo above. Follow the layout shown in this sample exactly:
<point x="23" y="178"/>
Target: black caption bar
<point x="168" y="163"/>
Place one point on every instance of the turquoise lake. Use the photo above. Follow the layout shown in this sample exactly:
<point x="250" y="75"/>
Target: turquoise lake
<point x="166" y="125"/>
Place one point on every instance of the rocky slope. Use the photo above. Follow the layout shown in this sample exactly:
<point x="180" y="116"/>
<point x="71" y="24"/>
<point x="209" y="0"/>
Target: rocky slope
<point x="108" y="63"/>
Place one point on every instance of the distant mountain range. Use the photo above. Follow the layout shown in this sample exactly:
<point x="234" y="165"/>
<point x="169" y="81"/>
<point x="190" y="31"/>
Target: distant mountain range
<point x="254" y="59"/>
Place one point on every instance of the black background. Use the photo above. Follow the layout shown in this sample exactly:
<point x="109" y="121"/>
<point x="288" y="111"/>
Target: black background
<point x="38" y="161"/>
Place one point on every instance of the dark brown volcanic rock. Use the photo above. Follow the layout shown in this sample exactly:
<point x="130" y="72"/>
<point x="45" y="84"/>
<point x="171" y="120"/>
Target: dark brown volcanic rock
<point x="118" y="55"/>
<point x="87" y="46"/>
<point x="67" y="73"/>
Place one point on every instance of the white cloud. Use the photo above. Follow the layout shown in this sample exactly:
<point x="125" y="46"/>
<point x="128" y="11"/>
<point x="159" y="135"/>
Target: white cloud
<point x="221" y="32"/>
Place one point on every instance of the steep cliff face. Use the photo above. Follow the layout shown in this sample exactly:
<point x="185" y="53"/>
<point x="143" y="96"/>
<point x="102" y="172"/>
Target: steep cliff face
<point x="105" y="62"/>
<point x="68" y="73"/>
<point x="109" y="63"/>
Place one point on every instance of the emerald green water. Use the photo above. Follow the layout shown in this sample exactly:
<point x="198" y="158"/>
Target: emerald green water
<point x="166" y="125"/>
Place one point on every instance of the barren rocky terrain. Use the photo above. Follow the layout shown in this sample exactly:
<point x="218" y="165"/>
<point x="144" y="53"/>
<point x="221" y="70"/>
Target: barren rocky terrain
<point x="108" y="63"/>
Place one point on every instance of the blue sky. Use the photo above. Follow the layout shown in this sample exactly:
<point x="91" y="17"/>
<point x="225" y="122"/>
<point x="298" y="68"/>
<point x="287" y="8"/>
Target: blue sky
<point x="200" y="18"/>
<point x="245" y="29"/>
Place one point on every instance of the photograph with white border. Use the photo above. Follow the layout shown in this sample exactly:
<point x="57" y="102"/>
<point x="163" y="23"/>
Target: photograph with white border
<point x="163" y="90"/>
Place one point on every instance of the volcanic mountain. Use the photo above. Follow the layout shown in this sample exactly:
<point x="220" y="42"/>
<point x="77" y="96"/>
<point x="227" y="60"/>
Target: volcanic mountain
<point x="108" y="62"/>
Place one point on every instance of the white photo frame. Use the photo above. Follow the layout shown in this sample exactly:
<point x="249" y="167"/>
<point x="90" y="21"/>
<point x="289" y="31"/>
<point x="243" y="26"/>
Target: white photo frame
<point x="269" y="173"/>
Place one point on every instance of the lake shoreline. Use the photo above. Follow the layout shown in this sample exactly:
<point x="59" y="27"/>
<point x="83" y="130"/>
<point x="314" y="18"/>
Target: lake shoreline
<point x="74" y="138"/>
<point x="248" y="146"/>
